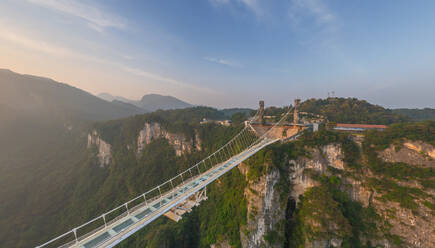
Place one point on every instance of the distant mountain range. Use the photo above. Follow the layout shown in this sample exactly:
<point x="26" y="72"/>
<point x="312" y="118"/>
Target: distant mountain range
<point x="150" y="102"/>
<point x="43" y="134"/>
<point x="44" y="98"/>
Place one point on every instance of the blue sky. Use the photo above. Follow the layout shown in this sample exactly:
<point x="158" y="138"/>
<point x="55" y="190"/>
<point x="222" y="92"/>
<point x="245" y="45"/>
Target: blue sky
<point x="228" y="53"/>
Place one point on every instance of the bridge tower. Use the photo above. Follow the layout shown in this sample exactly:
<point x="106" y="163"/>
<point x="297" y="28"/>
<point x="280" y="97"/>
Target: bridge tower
<point x="261" y="112"/>
<point x="296" y="114"/>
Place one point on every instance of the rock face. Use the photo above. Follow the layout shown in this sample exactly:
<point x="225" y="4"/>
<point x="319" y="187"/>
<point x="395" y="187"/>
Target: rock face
<point x="412" y="152"/>
<point x="179" y="142"/>
<point x="104" y="149"/>
<point x="264" y="210"/>
<point x="414" y="227"/>
<point x="266" y="213"/>
<point x="329" y="155"/>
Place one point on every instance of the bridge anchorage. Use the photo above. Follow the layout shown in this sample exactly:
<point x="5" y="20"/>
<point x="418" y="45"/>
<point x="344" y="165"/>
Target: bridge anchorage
<point x="181" y="193"/>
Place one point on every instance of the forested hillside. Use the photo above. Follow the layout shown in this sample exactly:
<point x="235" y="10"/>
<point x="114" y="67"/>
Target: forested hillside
<point x="417" y="114"/>
<point x="43" y="127"/>
<point x="44" y="159"/>
<point x="79" y="189"/>
<point x="351" y="110"/>
<point x="274" y="199"/>
<point x="347" y="202"/>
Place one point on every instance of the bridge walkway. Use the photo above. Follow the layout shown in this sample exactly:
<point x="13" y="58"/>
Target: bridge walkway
<point x="119" y="230"/>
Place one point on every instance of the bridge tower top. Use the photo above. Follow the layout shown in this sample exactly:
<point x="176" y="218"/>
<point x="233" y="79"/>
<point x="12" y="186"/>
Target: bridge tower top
<point x="296" y="113"/>
<point x="261" y="111"/>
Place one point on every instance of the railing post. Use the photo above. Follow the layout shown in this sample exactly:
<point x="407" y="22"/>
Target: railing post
<point x="104" y="218"/>
<point x="211" y="163"/>
<point x="199" y="171"/>
<point x="126" y="206"/>
<point x="144" y="197"/>
<point x="173" y="191"/>
<point x="160" y="192"/>
<point x="172" y="185"/>
<point x="75" y="235"/>
<point x="215" y="158"/>
<point x="218" y="156"/>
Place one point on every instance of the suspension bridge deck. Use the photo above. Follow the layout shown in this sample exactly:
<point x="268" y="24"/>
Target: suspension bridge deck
<point x="113" y="233"/>
<point x="173" y="197"/>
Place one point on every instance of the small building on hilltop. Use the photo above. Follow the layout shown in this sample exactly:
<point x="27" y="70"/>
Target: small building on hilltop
<point x="226" y="123"/>
<point x="358" y="127"/>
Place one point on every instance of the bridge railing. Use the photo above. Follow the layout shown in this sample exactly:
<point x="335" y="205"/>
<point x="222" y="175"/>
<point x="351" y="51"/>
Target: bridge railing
<point x="240" y="142"/>
<point x="244" y="140"/>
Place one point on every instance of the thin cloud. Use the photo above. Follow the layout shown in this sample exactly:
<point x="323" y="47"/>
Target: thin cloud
<point x="315" y="18"/>
<point x="223" y="62"/>
<point x="16" y="37"/>
<point x="33" y="44"/>
<point x="95" y="17"/>
<point x="312" y="9"/>
<point x="160" y="78"/>
<point x="252" y="5"/>
<point x="217" y="2"/>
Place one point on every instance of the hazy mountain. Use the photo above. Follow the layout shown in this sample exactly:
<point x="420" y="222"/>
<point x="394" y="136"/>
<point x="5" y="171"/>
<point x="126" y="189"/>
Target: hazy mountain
<point x="43" y="135"/>
<point x="108" y="97"/>
<point x="150" y="102"/>
<point x="155" y="101"/>
<point x="130" y="106"/>
<point x="42" y="96"/>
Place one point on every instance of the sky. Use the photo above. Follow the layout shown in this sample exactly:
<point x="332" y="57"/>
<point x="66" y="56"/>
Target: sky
<point x="228" y="53"/>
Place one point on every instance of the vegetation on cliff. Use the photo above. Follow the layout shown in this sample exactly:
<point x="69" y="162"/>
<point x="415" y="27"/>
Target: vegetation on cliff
<point x="88" y="190"/>
<point x="351" y="110"/>
<point x="389" y="174"/>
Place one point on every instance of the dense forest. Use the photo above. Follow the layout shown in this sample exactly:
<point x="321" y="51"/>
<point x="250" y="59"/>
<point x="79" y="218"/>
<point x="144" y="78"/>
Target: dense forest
<point x="224" y="215"/>
<point x="351" y="110"/>
<point x="85" y="190"/>
<point x="417" y="114"/>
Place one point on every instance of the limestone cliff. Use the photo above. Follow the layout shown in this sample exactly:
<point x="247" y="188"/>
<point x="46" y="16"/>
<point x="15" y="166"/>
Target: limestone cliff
<point x="179" y="142"/>
<point x="410" y="152"/>
<point x="104" y="154"/>
<point x="265" y="213"/>
<point x="416" y="226"/>
<point x="320" y="159"/>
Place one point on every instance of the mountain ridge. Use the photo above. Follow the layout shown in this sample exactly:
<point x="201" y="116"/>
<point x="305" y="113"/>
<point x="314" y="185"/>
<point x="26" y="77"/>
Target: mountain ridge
<point x="47" y="97"/>
<point x="150" y="102"/>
